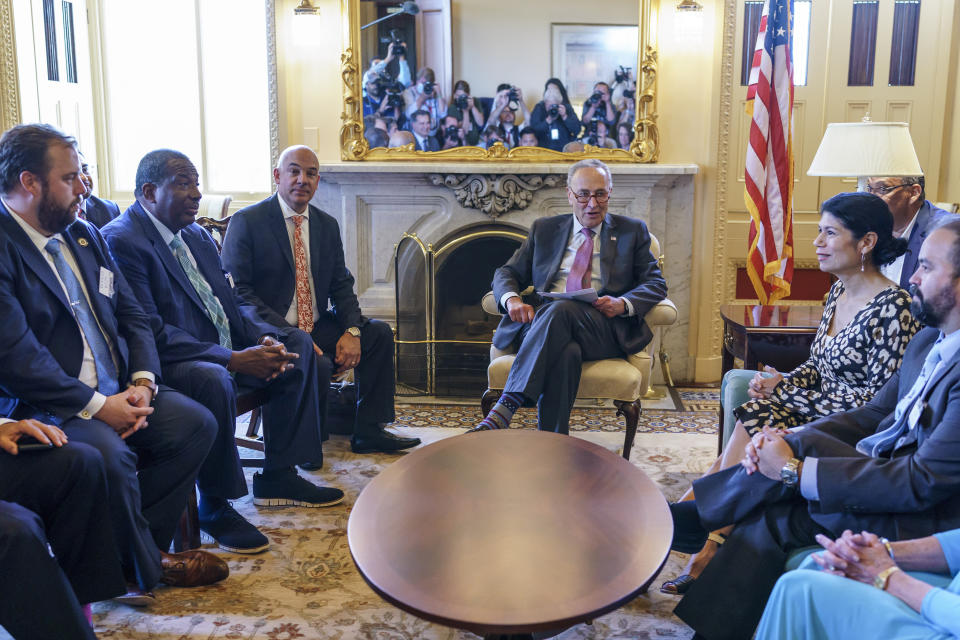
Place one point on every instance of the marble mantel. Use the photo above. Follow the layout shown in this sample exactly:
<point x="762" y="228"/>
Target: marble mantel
<point x="375" y="203"/>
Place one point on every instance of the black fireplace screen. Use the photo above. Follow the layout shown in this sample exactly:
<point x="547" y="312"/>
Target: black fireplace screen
<point x="443" y="334"/>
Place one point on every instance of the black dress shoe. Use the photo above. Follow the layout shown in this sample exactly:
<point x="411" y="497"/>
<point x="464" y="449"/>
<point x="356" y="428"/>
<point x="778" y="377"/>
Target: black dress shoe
<point x="381" y="441"/>
<point x="312" y="466"/>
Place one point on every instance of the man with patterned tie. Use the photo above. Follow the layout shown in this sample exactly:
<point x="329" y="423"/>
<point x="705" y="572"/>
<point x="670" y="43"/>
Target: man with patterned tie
<point x="587" y="250"/>
<point x="213" y="346"/>
<point x="78" y="352"/>
<point x="286" y="257"/>
<point x="891" y="467"/>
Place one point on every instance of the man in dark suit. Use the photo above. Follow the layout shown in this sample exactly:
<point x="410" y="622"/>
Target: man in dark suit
<point x="92" y="209"/>
<point x="587" y="250"/>
<point x="57" y="547"/>
<point x="79" y="353"/>
<point x="891" y="466"/>
<point x="213" y="346"/>
<point x="913" y="218"/>
<point x="286" y="257"/>
<point x="420" y="125"/>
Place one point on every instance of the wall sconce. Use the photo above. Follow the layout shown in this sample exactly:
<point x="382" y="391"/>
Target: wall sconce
<point x="306" y="23"/>
<point x="864" y="150"/>
<point x="688" y="22"/>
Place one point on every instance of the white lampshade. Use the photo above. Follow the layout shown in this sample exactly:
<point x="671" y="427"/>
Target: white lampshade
<point x="866" y="149"/>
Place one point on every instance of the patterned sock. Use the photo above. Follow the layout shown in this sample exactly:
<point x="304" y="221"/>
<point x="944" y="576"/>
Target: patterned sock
<point x="502" y="412"/>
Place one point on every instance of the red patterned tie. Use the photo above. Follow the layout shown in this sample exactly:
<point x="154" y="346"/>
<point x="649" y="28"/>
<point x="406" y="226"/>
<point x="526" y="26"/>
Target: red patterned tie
<point x="580" y="272"/>
<point x="304" y="305"/>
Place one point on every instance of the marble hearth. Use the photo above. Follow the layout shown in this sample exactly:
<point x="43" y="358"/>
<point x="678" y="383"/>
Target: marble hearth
<point x="376" y="203"/>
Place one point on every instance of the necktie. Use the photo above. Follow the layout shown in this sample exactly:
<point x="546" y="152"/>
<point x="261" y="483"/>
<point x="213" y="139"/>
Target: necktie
<point x="304" y="306"/>
<point x="202" y="287"/>
<point x="580" y="272"/>
<point x="107" y="376"/>
<point x="905" y="419"/>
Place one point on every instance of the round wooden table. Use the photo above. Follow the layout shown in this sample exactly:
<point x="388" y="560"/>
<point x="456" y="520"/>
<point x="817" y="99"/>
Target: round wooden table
<point x="510" y="531"/>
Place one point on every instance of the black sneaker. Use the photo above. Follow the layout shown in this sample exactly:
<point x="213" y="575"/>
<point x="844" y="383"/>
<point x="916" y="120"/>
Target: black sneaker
<point x="290" y="489"/>
<point x="232" y="531"/>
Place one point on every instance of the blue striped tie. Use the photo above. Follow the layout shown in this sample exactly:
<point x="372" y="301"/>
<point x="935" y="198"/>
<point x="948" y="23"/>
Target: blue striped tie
<point x="107" y="376"/>
<point x="202" y="287"/>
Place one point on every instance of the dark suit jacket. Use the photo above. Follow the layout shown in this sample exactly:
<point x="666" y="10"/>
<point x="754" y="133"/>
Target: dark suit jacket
<point x="432" y="144"/>
<point x="927" y="218"/>
<point x="41" y="348"/>
<point x="185" y="332"/>
<point x="627" y="269"/>
<point x="100" y="212"/>
<point x="257" y="252"/>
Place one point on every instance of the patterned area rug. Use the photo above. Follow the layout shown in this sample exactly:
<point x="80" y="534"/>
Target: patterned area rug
<point x="306" y="585"/>
<point x="699" y="398"/>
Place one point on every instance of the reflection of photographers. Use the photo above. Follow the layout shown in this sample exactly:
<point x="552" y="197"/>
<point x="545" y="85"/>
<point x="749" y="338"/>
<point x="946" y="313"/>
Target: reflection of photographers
<point x="595" y="133"/>
<point x="396" y="61"/>
<point x="383" y="96"/>
<point x="451" y="133"/>
<point x="624" y="135"/>
<point x="528" y="137"/>
<point x="420" y="124"/>
<point x="425" y="96"/>
<point x="508" y="101"/>
<point x="599" y="105"/>
<point x="465" y="110"/>
<point x="553" y="118"/>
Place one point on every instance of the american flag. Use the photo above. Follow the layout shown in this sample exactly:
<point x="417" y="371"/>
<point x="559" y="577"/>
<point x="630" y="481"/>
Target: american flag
<point x="769" y="164"/>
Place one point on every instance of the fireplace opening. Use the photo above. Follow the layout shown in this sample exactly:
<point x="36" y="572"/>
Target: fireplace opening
<point x="443" y="333"/>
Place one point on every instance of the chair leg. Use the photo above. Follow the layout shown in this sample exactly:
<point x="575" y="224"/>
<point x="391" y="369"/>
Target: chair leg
<point x="490" y="397"/>
<point x="631" y="415"/>
<point x="188" y="530"/>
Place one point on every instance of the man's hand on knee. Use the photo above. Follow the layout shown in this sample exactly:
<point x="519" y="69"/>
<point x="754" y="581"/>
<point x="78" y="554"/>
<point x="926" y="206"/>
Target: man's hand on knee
<point x="519" y="312"/>
<point x="11" y="432"/>
<point x="610" y="307"/>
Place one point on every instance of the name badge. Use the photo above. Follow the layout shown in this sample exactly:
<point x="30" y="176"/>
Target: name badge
<point x="106" y="282"/>
<point x="230" y="279"/>
<point x="554" y="134"/>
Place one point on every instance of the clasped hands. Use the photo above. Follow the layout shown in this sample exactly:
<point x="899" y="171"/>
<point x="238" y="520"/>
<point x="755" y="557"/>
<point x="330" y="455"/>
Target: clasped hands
<point x="609" y="306"/>
<point x="761" y="387"/>
<point x="767" y="452"/>
<point x="858" y="556"/>
<point x="266" y="360"/>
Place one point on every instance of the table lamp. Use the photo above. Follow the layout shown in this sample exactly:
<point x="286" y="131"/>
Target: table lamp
<point x="866" y="149"/>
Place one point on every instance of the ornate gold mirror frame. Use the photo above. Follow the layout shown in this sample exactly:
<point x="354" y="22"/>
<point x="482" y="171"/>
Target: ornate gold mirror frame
<point x="646" y="139"/>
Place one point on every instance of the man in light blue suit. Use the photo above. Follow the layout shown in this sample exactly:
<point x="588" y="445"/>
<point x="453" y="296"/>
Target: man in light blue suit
<point x="212" y="345"/>
<point x="913" y="218"/>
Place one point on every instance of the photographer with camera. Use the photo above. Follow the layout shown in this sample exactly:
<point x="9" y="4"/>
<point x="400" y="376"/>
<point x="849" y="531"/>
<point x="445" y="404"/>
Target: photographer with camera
<point x="451" y="133"/>
<point x="599" y="105"/>
<point x="553" y="118"/>
<point x="425" y="95"/>
<point x="595" y="133"/>
<point x="395" y="64"/>
<point x="467" y="113"/>
<point x="508" y="101"/>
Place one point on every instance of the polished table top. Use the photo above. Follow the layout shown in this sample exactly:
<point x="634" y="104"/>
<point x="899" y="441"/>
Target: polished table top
<point x="510" y="531"/>
<point x="772" y="317"/>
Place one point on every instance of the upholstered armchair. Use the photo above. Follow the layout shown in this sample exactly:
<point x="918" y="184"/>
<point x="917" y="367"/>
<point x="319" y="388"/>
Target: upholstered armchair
<point x="622" y="380"/>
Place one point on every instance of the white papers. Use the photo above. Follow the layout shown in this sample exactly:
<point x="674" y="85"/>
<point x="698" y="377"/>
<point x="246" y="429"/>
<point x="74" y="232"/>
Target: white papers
<point x="583" y="295"/>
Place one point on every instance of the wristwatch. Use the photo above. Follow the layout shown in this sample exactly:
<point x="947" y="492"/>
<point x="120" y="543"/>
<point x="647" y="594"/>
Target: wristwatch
<point x="790" y="473"/>
<point x="880" y="582"/>
<point x="149" y="384"/>
<point x="354" y="331"/>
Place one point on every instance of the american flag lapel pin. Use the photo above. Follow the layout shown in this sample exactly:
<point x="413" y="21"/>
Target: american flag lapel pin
<point x="82" y="242"/>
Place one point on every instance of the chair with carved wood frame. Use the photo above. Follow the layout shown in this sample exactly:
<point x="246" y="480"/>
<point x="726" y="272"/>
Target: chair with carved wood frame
<point x="622" y="380"/>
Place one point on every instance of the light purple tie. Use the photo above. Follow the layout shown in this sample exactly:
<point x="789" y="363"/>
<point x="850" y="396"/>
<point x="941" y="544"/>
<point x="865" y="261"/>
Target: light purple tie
<point x="580" y="272"/>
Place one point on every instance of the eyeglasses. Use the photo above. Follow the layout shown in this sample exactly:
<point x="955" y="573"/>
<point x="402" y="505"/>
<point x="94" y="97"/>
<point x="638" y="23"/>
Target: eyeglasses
<point x="583" y="197"/>
<point x="885" y="189"/>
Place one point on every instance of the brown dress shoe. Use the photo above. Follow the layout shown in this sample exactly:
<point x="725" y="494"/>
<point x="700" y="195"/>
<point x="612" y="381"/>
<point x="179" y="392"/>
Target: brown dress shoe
<point x="192" y="568"/>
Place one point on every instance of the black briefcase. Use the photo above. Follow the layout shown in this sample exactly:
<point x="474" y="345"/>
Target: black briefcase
<point x="341" y="408"/>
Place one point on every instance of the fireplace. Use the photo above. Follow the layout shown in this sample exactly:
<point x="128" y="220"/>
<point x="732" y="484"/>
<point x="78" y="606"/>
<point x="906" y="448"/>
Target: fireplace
<point x="443" y="334"/>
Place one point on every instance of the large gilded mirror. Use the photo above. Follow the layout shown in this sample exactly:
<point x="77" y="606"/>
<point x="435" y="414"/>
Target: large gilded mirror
<point x="571" y="79"/>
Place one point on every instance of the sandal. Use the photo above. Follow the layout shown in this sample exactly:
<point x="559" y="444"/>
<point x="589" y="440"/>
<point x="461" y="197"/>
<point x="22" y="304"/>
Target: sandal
<point x="681" y="584"/>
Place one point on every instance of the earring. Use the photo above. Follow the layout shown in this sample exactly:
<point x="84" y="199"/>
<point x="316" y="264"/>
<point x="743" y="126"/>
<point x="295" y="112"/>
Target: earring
<point x="863" y="257"/>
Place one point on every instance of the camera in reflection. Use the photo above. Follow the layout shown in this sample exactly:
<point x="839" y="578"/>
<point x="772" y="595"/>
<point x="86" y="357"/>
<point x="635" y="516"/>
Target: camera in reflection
<point x="399" y="49"/>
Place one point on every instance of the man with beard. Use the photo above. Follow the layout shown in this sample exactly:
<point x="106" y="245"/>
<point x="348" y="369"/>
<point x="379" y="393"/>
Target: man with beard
<point x="92" y="209"/>
<point x="78" y="353"/>
<point x="891" y="466"/>
<point x="213" y="346"/>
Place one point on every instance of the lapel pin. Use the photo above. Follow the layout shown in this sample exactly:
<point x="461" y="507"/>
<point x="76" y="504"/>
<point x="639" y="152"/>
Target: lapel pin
<point x="82" y="242"/>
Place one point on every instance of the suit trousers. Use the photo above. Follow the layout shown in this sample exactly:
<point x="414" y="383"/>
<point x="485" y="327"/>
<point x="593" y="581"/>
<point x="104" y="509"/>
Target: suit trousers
<point x="771" y="520"/>
<point x="552" y="349"/>
<point x="374" y="374"/>
<point x="57" y="547"/>
<point x="291" y="431"/>
<point x="149" y="476"/>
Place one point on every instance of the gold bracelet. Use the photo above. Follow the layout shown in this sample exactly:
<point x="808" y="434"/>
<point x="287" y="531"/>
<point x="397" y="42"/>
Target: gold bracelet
<point x="889" y="547"/>
<point x="880" y="582"/>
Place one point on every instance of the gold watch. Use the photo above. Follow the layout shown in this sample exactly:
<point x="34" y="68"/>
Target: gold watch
<point x="880" y="582"/>
<point x="149" y="384"/>
<point x="354" y="331"/>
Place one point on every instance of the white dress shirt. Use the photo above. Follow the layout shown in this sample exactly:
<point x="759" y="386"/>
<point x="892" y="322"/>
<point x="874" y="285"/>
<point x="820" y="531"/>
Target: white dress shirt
<point x="88" y="369"/>
<point x="288" y="214"/>
<point x="574" y="242"/>
<point x="894" y="270"/>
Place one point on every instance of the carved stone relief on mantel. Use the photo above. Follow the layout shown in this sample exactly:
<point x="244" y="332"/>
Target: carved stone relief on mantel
<point x="495" y="195"/>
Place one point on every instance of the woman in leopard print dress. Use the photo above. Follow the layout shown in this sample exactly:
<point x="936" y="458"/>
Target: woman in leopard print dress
<point x="863" y="333"/>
